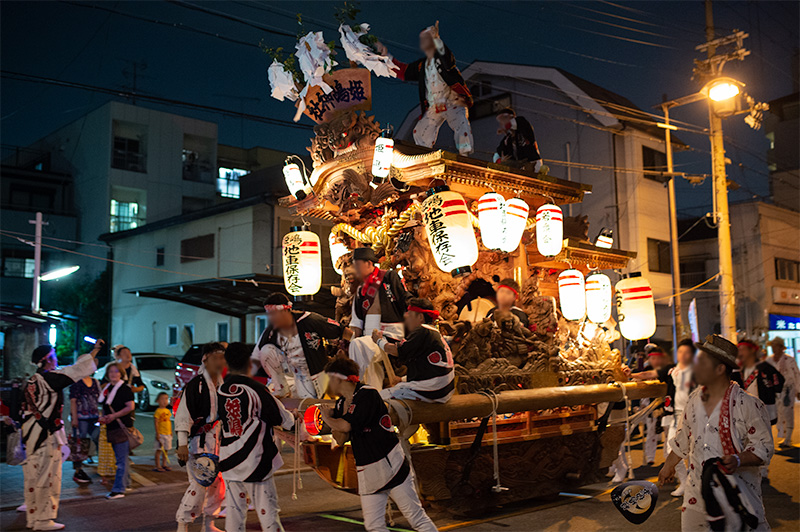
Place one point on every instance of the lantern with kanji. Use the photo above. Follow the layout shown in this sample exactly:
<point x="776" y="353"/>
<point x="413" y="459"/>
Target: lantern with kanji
<point x="598" y="298"/>
<point x="515" y="218"/>
<point x="549" y="230"/>
<point x="295" y="180"/>
<point x="382" y="157"/>
<point x="449" y="229"/>
<point x="636" y="309"/>
<point x="571" y="294"/>
<point x="338" y="249"/>
<point x="490" y="217"/>
<point x="302" y="262"/>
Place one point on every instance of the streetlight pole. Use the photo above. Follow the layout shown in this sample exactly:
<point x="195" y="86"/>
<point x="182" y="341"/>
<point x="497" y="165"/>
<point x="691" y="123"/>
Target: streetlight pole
<point x="37" y="262"/>
<point x="677" y="318"/>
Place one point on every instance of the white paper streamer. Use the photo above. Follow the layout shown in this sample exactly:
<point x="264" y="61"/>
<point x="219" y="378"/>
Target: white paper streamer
<point x="282" y="82"/>
<point x="314" y="60"/>
<point x="360" y="53"/>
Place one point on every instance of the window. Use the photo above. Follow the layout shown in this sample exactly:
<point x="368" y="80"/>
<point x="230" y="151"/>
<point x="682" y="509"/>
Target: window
<point x="188" y="333"/>
<point x="124" y="216"/>
<point x="692" y="273"/>
<point x="196" y="156"/>
<point x="128" y="155"/>
<point x="489" y="106"/>
<point x="159" y="256"/>
<point x="197" y="248"/>
<point x="658" y="256"/>
<point x="228" y="181"/>
<point x="787" y="270"/>
<point x="18" y="267"/>
<point x="32" y="197"/>
<point x="172" y="335"/>
<point x="261" y="326"/>
<point x="481" y="89"/>
<point x="653" y="160"/>
<point x="222" y="331"/>
<point x="156" y="363"/>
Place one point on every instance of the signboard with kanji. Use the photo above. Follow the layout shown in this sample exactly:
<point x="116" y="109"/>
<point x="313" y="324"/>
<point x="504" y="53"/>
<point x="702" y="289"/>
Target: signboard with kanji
<point x="352" y="91"/>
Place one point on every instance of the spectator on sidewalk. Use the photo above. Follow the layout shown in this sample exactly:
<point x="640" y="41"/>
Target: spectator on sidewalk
<point x="162" y="419"/>
<point x="84" y="413"/>
<point x="43" y="433"/>
<point x="117" y="401"/>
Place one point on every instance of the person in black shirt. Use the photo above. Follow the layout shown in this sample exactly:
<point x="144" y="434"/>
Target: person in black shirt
<point x="518" y="147"/>
<point x="506" y="294"/>
<point x="425" y="354"/>
<point x="360" y="416"/>
<point x="118" y="406"/>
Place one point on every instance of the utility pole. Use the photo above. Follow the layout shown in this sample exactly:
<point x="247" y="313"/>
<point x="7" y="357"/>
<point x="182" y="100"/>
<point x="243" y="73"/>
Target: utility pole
<point x="677" y="318"/>
<point x="37" y="262"/>
<point x="727" y="305"/>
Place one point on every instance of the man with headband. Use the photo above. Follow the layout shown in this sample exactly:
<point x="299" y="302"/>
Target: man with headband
<point x="379" y="304"/>
<point x="507" y="294"/>
<point x="43" y="434"/>
<point x="361" y="417"/>
<point x="295" y="338"/>
<point x="425" y="354"/>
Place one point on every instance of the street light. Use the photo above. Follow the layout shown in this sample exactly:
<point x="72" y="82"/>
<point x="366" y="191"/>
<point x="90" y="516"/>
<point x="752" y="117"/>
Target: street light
<point x="722" y="89"/>
<point x="59" y="273"/>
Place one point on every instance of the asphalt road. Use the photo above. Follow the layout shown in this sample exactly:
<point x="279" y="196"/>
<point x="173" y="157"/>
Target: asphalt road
<point x="322" y="508"/>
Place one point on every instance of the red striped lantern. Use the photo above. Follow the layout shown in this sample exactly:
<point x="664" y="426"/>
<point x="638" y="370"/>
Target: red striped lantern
<point x="449" y="229"/>
<point x="515" y="218"/>
<point x="549" y="230"/>
<point x="302" y="262"/>
<point x="571" y="295"/>
<point x="312" y="418"/>
<point x="598" y="298"/>
<point x="490" y="217"/>
<point x="636" y="309"/>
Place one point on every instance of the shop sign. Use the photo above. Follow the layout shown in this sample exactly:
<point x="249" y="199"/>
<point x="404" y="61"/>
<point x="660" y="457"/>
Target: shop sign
<point x="785" y="296"/>
<point x="779" y="322"/>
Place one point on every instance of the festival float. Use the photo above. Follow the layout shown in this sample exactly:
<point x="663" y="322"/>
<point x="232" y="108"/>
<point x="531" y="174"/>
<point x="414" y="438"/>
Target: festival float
<point x="527" y="417"/>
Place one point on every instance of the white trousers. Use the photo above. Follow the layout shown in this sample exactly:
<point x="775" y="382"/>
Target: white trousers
<point x="650" y="440"/>
<point x="303" y="385"/>
<point x="427" y="129"/>
<point x="786" y="415"/>
<point x="264" y="498"/>
<point x="42" y="474"/>
<point x="405" y="497"/>
<point x="199" y="499"/>
<point x="695" y="520"/>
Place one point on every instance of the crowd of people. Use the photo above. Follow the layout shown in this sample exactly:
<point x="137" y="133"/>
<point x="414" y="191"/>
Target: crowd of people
<point x="722" y="399"/>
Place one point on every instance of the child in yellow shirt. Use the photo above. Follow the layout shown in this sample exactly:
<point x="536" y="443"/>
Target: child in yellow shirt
<point x="162" y="418"/>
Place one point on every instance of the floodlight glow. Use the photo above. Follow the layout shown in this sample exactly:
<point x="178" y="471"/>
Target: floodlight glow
<point x="59" y="273"/>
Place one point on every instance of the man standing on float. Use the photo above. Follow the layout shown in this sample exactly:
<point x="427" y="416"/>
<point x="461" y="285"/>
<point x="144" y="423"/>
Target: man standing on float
<point x="379" y="304"/>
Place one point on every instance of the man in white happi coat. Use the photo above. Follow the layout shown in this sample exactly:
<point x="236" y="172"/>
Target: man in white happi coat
<point x="380" y="303"/>
<point x="787" y="366"/>
<point x="197" y="426"/>
<point x="725" y="435"/>
<point x="43" y="432"/>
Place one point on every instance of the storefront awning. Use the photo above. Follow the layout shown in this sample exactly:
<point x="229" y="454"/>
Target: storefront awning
<point x="235" y="296"/>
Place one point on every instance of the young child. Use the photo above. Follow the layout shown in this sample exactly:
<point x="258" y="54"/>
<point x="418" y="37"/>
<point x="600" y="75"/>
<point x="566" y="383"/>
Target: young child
<point x="383" y="471"/>
<point x="430" y="376"/>
<point x="162" y="418"/>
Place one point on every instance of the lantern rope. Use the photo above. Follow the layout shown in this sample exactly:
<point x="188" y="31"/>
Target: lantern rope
<point x="351" y="231"/>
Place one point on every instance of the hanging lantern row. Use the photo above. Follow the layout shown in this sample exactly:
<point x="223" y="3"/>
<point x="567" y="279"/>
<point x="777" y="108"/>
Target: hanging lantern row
<point x="502" y="222"/>
<point x="636" y="311"/>
<point x="302" y="262"/>
<point x="449" y="229"/>
<point x="549" y="230"/>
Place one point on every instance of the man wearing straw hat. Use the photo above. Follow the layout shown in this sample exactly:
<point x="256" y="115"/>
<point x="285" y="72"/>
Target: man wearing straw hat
<point x="725" y="434"/>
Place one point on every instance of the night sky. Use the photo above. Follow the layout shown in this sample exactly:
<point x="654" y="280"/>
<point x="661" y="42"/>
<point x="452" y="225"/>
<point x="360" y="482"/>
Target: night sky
<point x="191" y="58"/>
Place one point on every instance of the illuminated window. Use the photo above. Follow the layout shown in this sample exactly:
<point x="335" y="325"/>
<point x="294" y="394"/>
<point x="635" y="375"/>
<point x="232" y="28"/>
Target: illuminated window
<point x="18" y="267"/>
<point x="228" y="181"/>
<point x="124" y="216"/>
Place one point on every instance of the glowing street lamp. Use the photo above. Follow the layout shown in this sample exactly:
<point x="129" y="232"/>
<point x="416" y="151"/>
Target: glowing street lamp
<point x="59" y="273"/>
<point x="722" y="89"/>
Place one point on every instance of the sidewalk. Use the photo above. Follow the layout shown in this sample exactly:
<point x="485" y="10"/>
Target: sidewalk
<point x="142" y="475"/>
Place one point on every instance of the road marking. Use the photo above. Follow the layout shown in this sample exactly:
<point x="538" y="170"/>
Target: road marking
<point x="356" y="522"/>
<point x="141" y="479"/>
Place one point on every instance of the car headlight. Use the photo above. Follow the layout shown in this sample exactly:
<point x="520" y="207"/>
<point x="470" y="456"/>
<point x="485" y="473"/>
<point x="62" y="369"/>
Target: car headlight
<point x="161" y="385"/>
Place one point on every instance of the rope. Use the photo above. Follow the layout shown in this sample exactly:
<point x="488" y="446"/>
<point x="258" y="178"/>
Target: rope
<point x="627" y="431"/>
<point x="297" y="480"/>
<point x="689" y="289"/>
<point x="497" y="488"/>
<point x="351" y="231"/>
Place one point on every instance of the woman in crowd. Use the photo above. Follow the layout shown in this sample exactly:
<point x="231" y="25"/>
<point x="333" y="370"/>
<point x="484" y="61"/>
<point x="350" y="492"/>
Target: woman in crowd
<point x="83" y="396"/>
<point x="117" y="401"/>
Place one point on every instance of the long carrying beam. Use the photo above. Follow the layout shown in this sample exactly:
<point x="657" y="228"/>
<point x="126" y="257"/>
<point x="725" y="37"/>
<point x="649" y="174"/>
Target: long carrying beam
<point x="479" y="405"/>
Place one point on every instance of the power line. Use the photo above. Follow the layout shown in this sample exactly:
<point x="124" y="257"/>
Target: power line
<point x="233" y="18"/>
<point x="18" y="76"/>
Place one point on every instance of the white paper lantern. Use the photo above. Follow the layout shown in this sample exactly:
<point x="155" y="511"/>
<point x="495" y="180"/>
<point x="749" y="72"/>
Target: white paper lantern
<point x="549" y="230"/>
<point x="636" y="309"/>
<point x="294" y="180"/>
<point x="382" y="158"/>
<point x="302" y="262"/>
<point x="490" y="216"/>
<point x="449" y="230"/>
<point x="515" y="217"/>
<point x="338" y="249"/>
<point x="598" y="298"/>
<point x="571" y="294"/>
<point x="605" y="239"/>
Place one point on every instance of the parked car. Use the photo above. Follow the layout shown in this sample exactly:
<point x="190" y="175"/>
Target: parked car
<point x="157" y="371"/>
